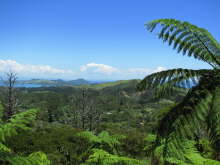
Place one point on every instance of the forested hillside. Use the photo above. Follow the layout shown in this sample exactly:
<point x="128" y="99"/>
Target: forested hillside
<point x="76" y="125"/>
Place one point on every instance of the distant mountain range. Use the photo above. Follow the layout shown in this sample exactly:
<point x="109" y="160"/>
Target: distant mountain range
<point x="48" y="83"/>
<point x="58" y="82"/>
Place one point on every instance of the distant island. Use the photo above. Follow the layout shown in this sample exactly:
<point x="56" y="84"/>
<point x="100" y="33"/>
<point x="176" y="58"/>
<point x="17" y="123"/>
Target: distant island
<point x="53" y="83"/>
<point x="58" y="82"/>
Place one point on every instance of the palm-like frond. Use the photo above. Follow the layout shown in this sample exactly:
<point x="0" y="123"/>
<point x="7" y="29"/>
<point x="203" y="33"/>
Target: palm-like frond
<point x="19" y="121"/>
<point x="103" y="138"/>
<point x="100" y="156"/>
<point x="200" y="107"/>
<point x="183" y="120"/>
<point x="36" y="158"/>
<point x="191" y="156"/>
<point x="193" y="108"/>
<point x="188" y="39"/>
<point x="213" y="120"/>
<point x="166" y="80"/>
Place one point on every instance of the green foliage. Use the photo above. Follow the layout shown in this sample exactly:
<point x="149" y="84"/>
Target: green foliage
<point x="199" y="110"/>
<point x="58" y="141"/>
<point x="90" y="137"/>
<point x="126" y="117"/>
<point x="18" y="122"/>
<point x="1" y="112"/>
<point x="191" y="156"/>
<point x="101" y="157"/>
<point x="103" y="140"/>
<point x="118" y="84"/>
<point x="122" y="115"/>
<point x="205" y="148"/>
<point x="4" y="148"/>
<point x="166" y="82"/>
<point x="112" y="141"/>
<point x="132" y="145"/>
<point x="104" y="150"/>
<point x="188" y="155"/>
<point x="188" y="39"/>
<point x="149" y="140"/>
<point x="37" y="158"/>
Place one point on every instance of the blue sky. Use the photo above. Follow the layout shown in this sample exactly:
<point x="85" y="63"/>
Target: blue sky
<point x="95" y="39"/>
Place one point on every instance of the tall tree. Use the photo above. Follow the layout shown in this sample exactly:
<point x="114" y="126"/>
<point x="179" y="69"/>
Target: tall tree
<point x="201" y="107"/>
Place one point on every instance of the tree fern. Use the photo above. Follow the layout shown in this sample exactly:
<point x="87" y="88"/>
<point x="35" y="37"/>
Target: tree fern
<point x="36" y="158"/>
<point x="188" y="39"/>
<point x="200" y="107"/>
<point x="101" y="157"/>
<point x="103" y="140"/>
<point x="103" y="150"/>
<point x="165" y="81"/>
<point x="89" y="136"/>
<point x="19" y="121"/>
<point x="189" y="154"/>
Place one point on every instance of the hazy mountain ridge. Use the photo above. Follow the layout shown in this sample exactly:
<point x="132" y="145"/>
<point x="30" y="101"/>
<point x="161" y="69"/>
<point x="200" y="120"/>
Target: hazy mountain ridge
<point x="58" y="82"/>
<point x="48" y="83"/>
<point x="98" y="84"/>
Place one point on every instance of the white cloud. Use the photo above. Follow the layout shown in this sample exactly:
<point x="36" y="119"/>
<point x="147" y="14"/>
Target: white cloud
<point x="139" y="71"/>
<point x="99" y="68"/>
<point x="6" y="65"/>
<point x="159" y="69"/>
<point x="87" y="71"/>
<point x="144" y="71"/>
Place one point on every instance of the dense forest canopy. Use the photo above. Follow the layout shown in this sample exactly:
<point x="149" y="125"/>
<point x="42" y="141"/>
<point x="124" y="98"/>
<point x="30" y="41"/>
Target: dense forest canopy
<point x="73" y="124"/>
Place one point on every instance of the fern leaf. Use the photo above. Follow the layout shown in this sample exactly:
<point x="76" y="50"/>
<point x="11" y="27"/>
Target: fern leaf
<point x="188" y="36"/>
<point x="37" y="158"/>
<point x="164" y="81"/>
<point x="102" y="157"/>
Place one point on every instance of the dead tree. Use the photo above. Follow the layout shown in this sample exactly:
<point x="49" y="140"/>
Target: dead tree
<point x="9" y="98"/>
<point x="86" y="110"/>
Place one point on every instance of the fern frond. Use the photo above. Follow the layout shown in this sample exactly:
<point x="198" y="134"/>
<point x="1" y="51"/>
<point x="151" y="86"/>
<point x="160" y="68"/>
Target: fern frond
<point x="89" y="136"/>
<point x="186" y="37"/>
<point x="112" y="141"/>
<point x="104" y="158"/>
<point x="36" y="158"/>
<point x="194" y="107"/>
<point x="200" y="106"/>
<point x="184" y="119"/>
<point x="18" y="121"/>
<point x="190" y="156"/>
<point x="4" y="148"/>
<point x="213" y="120"/>
<point x="165" y="81"/>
